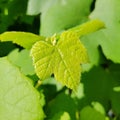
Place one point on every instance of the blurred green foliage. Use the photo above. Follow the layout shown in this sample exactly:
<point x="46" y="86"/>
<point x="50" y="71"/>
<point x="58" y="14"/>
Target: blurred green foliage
<point x="98" y="94"/>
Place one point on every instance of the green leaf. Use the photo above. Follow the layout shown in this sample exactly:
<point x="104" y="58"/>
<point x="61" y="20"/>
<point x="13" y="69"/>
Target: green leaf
<point x="98" y="107"/>
<point x="57" y="15"/>
<point x="69" y="50"/>
<point x="23" y="39"/>
<point x="89" y="113"/>
<point x="115" y="96"/>
<point x="90" y="42"/>
<point x="66" y="105"/>
<point x="22" y="60"/>
<point x="37" y="6"/>
<point x="61" y="116"/>
<point x="18" y="98"/>
<point x="62" y="58"/>
<point x="97" y="86"/>
<point x="43" y="58"/>
<point x="115" y="93"/>
<point x="109" y="38"/>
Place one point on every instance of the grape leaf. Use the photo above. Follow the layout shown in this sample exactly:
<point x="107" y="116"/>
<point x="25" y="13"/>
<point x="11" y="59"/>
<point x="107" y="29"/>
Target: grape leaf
<point x="115" y="94"/>
<point x="37" y="6"/>
<point x="62" y="58"/>
<point x="23" y="39"/>
<point x="22" y="60"/>
<point x="89" y="113"/>
<point x="18" y="98"/>
<point x="59" y="15"/>
<point x="108" y="38"/>
<point x="91" y="42"/>
<point x="98" y="107"/>
<point x="66" y="104"/>
<point x="84" y="31"/>
<point x="61" y="116"/>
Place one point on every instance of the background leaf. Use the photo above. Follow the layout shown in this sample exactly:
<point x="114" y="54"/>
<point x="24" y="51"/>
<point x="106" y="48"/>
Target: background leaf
<point x="60" y="15"/>
<point x="22" y="60"/>
<point x="9" y="14"/>
<point x="61" y="116"/>
<point x="89" y="113"/>
<point x="18" y="99"/>
<point x="108" y="38"/>
<point x="66" y="104"/>
<point x="38" y="6"/>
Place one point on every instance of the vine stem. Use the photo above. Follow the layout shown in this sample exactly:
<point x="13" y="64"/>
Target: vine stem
<point x="39" y="82"/>
<point x="88" y="27"/>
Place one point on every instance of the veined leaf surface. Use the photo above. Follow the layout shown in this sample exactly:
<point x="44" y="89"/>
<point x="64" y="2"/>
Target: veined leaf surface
<point x="18" y="98"/>
<point x="23" y="39"/>
<point x="62" y="58"/>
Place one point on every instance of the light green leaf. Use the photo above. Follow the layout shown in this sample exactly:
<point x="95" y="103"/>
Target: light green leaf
<point x="61" y="116"/>
<point x="89" y="113"/>
<point x="59" y="15"/>
<point x="98" y="107"/>
<point x="62" y="58"/>
<point x="23" y="39"/>
<point x="89" y="40"/>
<point x="34" y="4"/>
<point x="22" y="60"/>
<point x="69" y="50"/>
<point x="37" y="6"/>
<point x="109" y="38"/>
<point x="43" y="58"/>
<point x="18" y="98"/>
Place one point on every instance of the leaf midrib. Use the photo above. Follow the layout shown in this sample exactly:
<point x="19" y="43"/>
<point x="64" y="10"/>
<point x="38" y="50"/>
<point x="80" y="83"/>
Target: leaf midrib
<point x="60" y="53"/>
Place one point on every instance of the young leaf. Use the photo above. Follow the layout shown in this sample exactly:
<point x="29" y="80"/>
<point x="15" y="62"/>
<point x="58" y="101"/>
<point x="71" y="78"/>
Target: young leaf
<point x="70" y="53"/>
<point x="62" y="58"/>
<point x="18" y="98"/>
<point x="23" y="39"/>
<point x="43" y="58"/>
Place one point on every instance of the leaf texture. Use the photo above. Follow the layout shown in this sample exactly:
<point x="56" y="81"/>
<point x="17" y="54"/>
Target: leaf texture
<point x="18" y="98"/>
<point x="62" y="58"/>
<point x="24" y="39"/>
<point x="43" y="57"/>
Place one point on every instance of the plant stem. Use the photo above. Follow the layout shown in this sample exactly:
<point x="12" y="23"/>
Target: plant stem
<point x="88" y="27"/>
<point x="39" y="82"/>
